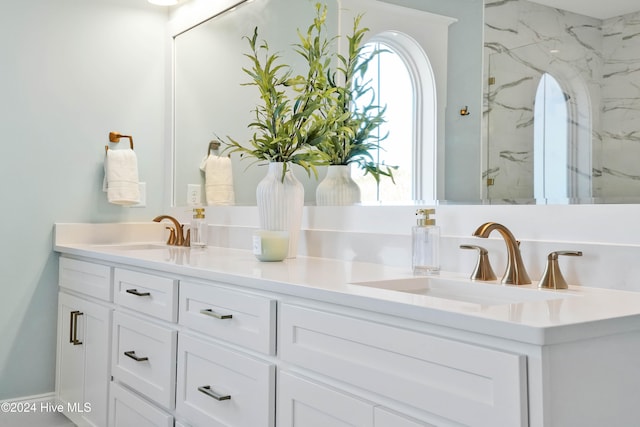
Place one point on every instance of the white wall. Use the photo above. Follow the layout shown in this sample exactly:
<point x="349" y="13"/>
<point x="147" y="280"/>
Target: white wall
<point x="70" y="72"/>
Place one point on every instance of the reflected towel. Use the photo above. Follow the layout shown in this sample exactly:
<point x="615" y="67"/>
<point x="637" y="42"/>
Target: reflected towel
<point x="121" y="177"/>
<point x="218" y="177"/>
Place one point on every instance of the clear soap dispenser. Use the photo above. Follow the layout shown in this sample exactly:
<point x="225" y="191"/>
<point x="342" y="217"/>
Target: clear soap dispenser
<point x="426" y="244"/>
<point x="198" y="233"/>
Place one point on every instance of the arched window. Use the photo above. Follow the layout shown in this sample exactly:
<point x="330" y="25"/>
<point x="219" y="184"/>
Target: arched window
<point x="403" y="81"/>
<point x="551" y="140"/>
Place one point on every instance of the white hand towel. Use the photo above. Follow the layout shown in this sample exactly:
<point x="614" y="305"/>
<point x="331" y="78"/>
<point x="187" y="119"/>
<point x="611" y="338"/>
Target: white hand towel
<point x="218" y="177"/>
<point x="121" y="177"/>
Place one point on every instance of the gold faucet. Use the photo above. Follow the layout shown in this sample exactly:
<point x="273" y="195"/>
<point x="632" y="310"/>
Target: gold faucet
<point x="176" y="234"/>
<point x="515" y="273"/>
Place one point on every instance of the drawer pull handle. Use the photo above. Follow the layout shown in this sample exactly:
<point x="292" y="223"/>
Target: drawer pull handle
<point x="73" y="327"/>
<point x="209" y="312"/>
<point x="132" y="354"/>
<point x="206" y="389"/>
<point x="138" y="294"/>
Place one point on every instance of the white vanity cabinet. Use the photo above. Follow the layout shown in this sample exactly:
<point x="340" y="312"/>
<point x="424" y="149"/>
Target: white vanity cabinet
<point x="84" y="325"/>
<point x="221" y="345"/>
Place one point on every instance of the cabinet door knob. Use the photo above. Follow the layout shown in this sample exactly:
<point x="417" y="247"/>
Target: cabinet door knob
<point x="132" y="354"/>
<point x="206" y="389"/>
<point x="138" y="294"/>
<point x="73" y="327"/>
<point x="209" y="312"/>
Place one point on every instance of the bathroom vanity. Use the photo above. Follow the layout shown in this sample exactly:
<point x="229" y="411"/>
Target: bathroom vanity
<point x="212" y="337"/>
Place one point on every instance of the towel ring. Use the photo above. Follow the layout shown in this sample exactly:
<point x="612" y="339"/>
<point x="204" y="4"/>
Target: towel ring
<point x="115" y="137"/>
<point x="214" y="145"/>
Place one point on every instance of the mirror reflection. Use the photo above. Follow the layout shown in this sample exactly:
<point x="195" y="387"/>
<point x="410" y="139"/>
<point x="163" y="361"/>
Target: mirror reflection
<point x="561" y="105"/>
<point x="211" y="102"/>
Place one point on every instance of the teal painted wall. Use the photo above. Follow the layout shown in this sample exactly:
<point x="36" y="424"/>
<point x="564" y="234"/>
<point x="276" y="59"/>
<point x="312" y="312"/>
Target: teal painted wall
<point x="70" y="72"/>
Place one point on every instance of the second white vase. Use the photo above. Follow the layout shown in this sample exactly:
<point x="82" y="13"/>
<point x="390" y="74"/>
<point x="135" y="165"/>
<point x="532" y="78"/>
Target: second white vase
<point x="338" y="188"/>
<point x="280" y="202"/>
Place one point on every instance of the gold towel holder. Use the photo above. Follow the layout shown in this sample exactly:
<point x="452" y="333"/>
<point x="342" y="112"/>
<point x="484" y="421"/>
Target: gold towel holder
<point x="214" y="145"/>
<point x="115" y="137"/>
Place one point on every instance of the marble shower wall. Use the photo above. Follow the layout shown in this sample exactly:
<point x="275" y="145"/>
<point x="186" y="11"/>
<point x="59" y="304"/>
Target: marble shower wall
<point x="620" y="115"/>
<point x="523" y="40"/>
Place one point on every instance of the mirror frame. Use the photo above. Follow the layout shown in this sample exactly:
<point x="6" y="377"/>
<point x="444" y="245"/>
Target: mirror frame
<point x="181" y="19"/>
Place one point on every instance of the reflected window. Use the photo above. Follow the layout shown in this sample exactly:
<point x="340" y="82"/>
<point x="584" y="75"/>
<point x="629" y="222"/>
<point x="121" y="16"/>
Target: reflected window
<point x="551" y="140"/>
<point x="403" y="81"/>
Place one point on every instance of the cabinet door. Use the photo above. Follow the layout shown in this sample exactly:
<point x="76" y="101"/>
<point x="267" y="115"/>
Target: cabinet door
<point x="82" y="371"/>
<point x="305" y="403"/>
<point x="129" y="410"/>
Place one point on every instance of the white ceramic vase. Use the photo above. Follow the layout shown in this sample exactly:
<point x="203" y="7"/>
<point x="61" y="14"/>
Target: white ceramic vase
<point x="280" y="203"/>
<point x="338" y="188"/>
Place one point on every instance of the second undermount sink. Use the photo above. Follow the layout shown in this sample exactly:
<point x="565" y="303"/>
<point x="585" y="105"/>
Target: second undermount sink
<point x="465" y="290"/>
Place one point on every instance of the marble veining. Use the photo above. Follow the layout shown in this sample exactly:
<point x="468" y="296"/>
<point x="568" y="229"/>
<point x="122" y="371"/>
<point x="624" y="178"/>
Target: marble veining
<point x="597" y="63"/>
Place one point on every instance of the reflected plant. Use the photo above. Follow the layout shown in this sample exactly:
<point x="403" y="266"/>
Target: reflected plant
<point x="351" y="113"/>
<point x="287" y="124"/>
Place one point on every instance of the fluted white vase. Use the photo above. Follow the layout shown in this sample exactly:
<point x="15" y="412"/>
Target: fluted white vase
<point x="338" y="188"/>
<point x="280" y="203"/>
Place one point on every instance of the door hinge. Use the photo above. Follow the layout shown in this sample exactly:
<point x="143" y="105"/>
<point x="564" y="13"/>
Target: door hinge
<point x="492" y="80"/>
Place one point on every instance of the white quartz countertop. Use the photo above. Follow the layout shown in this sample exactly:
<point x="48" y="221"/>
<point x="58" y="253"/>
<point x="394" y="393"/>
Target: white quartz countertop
<point x="576" y="313"/>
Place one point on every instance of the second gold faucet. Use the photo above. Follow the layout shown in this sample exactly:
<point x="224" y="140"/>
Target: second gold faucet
<point x="515" y="273"/>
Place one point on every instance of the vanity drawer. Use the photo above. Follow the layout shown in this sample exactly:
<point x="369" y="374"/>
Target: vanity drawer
<point x="146" y="293"/>
<point x="85" y="277"/>
<point x="144" y="357"/>
<point x="234" y="316"/>
<point x="465" y="383"/>
<point x="222" y="387"/>
<point x="127" y="409"/>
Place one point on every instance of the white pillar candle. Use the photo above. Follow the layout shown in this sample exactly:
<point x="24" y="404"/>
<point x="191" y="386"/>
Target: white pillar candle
<point x="270" y="245"/>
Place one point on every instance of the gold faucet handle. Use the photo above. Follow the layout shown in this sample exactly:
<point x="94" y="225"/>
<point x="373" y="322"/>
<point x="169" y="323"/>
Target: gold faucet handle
<point x="187" y="238"/>
<point x="172" y="236"/>
<point x="552" y="277"/>
<point x="483" y="270"/>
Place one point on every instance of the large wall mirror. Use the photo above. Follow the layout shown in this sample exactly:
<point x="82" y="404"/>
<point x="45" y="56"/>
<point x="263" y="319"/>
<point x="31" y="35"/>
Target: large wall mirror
<point x="499" y="153"/>
<point x="210" y="100"/>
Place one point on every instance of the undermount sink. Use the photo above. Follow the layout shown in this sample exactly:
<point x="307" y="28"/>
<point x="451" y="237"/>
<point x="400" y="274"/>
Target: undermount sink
<point x="131" y="246"/>
<point x="465" y="290"/>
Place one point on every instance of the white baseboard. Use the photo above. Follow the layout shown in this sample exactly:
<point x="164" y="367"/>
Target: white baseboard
<point x="33" y="399"/>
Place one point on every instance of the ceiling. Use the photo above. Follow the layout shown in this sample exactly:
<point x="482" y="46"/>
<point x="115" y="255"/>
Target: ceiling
<point x="601" y="9"/>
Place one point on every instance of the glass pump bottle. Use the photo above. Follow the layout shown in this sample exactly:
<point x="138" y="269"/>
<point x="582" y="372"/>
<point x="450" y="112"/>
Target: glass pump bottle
<point x="198" y="233"/>
<point x="426" y="244"/>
